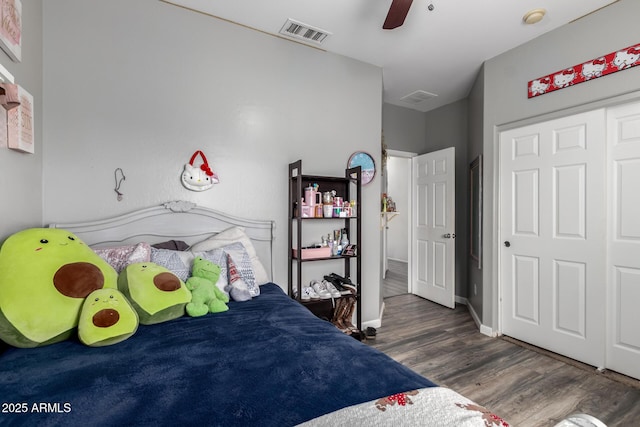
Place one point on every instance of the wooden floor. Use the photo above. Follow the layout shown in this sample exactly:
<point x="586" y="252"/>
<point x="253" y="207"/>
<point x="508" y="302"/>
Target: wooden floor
<point x="527" y="387"/>
<point x="395" y="282"/>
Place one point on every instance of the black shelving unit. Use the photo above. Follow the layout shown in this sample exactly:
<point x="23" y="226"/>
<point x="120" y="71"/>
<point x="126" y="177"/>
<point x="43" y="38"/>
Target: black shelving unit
<point x="347" y="187"/>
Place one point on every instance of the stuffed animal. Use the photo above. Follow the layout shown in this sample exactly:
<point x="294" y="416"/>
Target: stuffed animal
<point x="205" y="295"/>
<point x="45" y="276"/>
<point x="106" y="318"/>
<point x="154" y="291"/>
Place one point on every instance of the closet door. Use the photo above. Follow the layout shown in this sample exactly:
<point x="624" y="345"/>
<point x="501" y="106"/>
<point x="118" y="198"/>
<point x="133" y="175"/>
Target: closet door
<point x="623" y="338"/>
<point x="552" y="217"/>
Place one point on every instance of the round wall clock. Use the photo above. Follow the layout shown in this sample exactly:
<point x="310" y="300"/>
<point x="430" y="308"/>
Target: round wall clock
<point x="366" y="162"/>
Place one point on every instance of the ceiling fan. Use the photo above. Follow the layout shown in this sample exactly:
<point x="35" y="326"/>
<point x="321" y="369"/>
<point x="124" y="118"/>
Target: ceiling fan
<point x="397" y="13"/>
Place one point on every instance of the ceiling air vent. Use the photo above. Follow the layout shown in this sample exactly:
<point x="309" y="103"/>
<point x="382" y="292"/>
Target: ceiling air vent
<point x="418" y="97"/>
<point x="303" y="32"/>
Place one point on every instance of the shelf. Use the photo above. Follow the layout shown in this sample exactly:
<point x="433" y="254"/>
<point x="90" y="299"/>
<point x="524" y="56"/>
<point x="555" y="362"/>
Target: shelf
<point x="348" y="188"/>
<point x="325" y="258"/>
<point x="306" y="218"/>
<point x="386" y="217"/>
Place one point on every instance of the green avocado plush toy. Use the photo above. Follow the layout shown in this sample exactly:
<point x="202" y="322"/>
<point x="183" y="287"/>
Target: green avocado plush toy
<point x="155" y="292"/>
<point x="206" y="297"/>
<point x="106" y="318"/>
<point x="45" y="276"/>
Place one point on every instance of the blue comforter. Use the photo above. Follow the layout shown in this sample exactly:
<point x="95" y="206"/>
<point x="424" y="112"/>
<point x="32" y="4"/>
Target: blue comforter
<point x="265" y="362"/>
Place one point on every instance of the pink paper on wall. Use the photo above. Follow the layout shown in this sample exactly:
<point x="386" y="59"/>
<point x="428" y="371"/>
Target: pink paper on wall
<point x="11" y="28"/>
<point x="20" y="124"/>
<point x="611" y="63"/>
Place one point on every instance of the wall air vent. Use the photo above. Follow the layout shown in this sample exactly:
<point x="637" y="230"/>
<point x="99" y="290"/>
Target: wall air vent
<point x="418" y="97"/>
<point x="304" y="32"/>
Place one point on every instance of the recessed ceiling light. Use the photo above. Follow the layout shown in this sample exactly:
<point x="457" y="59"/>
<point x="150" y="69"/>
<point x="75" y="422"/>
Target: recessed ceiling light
<point x="534" y="16"/>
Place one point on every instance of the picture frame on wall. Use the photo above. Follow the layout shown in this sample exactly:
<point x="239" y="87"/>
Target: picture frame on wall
<point x="11" y="28"/>
<point x="475" y="203"/>
<point x="366" y="163"/>
<point x="20" y="127"/>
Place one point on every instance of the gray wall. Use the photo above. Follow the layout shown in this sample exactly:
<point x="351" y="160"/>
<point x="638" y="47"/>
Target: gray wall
<point x="21" y="174"/>
<point x="142" y="85"/>
<point x="447" y="127"/>
<point x="409" y="130"/>
<point x="505" y="101"/>
<point x="476" y="115"/>
<point x="404" y="129"/>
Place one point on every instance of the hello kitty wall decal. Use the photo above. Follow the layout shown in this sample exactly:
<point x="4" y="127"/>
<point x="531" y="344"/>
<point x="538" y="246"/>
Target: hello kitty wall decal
<point x="613" y="62"/>
<point x="198" y="178"/>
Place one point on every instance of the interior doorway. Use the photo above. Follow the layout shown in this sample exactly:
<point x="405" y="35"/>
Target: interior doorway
<point x="395" y="225"/>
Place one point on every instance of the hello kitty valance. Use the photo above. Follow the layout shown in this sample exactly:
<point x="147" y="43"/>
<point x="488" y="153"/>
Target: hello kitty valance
<point x="198" y="178"/>
<point x="622" y="59"/>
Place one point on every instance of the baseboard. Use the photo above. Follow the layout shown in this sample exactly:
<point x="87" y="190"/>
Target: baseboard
<point x="484" y="330"/>
<point x="375" y="323"/>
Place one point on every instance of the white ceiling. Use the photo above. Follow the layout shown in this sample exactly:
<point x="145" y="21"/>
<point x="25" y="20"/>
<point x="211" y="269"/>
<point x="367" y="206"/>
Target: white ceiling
<point x="438" y="51"/>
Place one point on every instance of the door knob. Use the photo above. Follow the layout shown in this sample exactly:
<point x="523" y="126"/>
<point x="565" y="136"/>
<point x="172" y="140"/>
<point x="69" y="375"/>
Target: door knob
<point x="449" y="236"/>
<point x="507" y="243"/>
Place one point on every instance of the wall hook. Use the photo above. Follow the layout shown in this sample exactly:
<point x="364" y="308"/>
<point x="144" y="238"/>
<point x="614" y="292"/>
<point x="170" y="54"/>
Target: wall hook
<point x="119" y="182"/>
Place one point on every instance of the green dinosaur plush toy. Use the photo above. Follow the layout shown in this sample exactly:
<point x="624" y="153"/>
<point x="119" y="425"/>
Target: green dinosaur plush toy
<point x="45" y="276"/>
<point x="205" y="295"/>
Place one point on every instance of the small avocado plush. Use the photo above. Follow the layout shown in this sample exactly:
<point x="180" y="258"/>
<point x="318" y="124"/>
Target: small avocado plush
<point x="106" y="318"/>
<point x="45" y="276"/>
<point x="155" y="293"/>
<point x="205" y="295"/>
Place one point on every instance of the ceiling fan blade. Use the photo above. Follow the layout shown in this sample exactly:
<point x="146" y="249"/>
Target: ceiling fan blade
<point x="397" y="13"/>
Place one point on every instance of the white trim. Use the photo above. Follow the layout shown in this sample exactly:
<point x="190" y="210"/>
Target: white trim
<point x="484" y="330"/>
<point x="407" y="155"/>
<point x="375" y="323"/>
<point x="398" y="153"/>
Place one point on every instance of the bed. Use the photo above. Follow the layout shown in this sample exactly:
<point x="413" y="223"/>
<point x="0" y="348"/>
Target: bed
<point x="267" y="361"/>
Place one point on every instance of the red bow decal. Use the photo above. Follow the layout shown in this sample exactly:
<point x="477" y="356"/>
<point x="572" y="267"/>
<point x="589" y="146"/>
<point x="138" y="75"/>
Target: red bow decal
<point x="545" y="81"/>
<point x="206" y="169"/>
<point x="633" y="51"/>
<point x="401" y="398"/>
<point x="599" y="61"/>
<point x="568" y="71"/>
<point x="205" y="165"/>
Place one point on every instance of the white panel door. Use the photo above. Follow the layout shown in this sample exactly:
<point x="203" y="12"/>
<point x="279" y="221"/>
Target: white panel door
<point x="623" y="338"/>
<point x="552" y="220"/>
<point x="433" y="229"/>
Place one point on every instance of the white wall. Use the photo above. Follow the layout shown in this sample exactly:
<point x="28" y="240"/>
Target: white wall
<point x="142" y="85"/>
<point x="398" y="181"/>
<point x="20" y="173"/>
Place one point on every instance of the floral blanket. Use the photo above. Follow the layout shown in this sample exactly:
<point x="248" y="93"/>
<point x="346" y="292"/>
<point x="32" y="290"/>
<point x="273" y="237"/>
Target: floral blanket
<point x="433" y="407"/>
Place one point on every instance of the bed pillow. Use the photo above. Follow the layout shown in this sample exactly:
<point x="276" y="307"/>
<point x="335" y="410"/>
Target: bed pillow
<point x="178" y="262"/>
<point x="45" y="276"/>
<point x="106" y="318"/>
<point x="121" y="256"/>
<point x="242" y="260"/>
<point x="233" y="235"/>
<point x="155" y="293"/>
<point x="174" y="245"/>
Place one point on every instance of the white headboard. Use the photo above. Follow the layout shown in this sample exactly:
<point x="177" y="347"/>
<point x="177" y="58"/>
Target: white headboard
<point x="178" y="220"/>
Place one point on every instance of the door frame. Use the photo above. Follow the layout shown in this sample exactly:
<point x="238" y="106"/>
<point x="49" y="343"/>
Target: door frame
<point x="407" y="155"/>
<point x="493" y="274"/>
